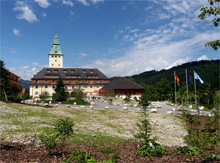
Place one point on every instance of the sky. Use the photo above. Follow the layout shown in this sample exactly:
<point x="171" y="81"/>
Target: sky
<point x="120" y="38"/>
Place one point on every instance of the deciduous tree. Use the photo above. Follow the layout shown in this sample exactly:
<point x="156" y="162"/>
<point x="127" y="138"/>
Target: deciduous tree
<point x="212" y="10"/>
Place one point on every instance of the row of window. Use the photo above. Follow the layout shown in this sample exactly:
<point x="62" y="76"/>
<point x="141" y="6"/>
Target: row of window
<point x="71" y="71"/>
<point x="75" y="81"/>
<point x="72" y="86"/>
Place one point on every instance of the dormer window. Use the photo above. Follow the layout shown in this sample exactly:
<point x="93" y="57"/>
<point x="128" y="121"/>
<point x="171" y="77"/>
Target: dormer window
<point x="91" y="71"/>
<point x="72" y="71"/>
<point x="84" y="71"/>
<point x="65" y="71"/>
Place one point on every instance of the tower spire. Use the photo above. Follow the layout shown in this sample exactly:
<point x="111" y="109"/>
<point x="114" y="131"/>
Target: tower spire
<point x="56" y="55"/>
<point x="56" y="46"/>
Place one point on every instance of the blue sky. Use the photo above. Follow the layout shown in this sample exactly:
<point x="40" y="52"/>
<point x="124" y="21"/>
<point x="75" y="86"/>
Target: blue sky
<point x="118" y="37"/>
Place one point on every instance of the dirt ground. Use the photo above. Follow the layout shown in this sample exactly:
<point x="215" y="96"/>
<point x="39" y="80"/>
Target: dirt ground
<point x="16" y="152"/>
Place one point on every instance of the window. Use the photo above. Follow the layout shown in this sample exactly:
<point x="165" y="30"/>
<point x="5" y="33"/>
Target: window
<point x="79" y="87"/>
<point x="36" y="86"/>
<point x="55" y="55"/>
<point x="66" y="81"/>
<point x="72" y="71"/>
<point x="80" y="81"/>
<point x="90" y="81"/>
<point x="65" y="71"/>
<point x="85" y="86"/>
<point x="52" y="64"/>
<point x="73" y="86"/>
<point x="55" y="60"/>
<point x="36" y="81"/>
<point x="46" y="86"/>
<point x="73" y="81"/>
<point x="46" y="81"/>
<point x="84" y="71"/>
<point x="90" y="86"/>
<point x="48" y="71"/>
<point x="58" y="64"/>
<point x="55" y="71"/>
<point x="54" y="86"/>
<point x="97" y="81"/>
<point x="36" y="93"/>
<point x="97" y="86"/>
<point x="86" y="81"/>
<point x="105" y="81"/>
<point x="53" y="81"/>
<point x="91" y="71"/>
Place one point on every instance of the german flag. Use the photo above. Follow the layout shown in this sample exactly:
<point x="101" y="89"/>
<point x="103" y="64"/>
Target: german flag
<point x="177" y="80"/>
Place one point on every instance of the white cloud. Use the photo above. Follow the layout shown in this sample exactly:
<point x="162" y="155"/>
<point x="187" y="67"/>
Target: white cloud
<point x="27" y="71"/>
<point x="152" y="52"/>
<point x="27" y="13"/>
<point x="68" y="3"/>
<point x="44" y="15"/>
<point x="97" y="1"/>
<point x="204" y="57"/>
<point x="84" y="2"/>
<point x="16" y="32"/>
<point x="43" y="3"/>
<point x="71" y="13"/>
<point x="83" y="54"/>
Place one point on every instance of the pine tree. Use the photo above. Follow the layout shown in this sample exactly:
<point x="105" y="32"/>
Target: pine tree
<point x="4" y="81"/>
<point x="60" y="94"/>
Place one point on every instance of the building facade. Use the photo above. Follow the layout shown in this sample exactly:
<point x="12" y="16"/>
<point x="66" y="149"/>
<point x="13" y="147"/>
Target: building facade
<point x="89" y="80"/>
<point x="121" y="88"/>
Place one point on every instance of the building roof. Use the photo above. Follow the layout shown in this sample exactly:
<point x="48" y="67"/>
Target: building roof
<point x="122" y="83"/>
<point x="56" y="46"/>
<point x="66" y="73"/>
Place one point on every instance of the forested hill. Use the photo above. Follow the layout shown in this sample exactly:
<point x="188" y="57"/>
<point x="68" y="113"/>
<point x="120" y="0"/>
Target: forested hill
<point x="209" y="71"/>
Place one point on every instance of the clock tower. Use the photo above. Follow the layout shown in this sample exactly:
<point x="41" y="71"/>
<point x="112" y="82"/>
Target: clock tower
<point x="55" y="55"/>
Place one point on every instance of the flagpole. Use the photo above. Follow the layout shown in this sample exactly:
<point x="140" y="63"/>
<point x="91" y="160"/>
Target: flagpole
<point x="175" y="87"/>
<point x="195" y="92"/>
<point x="187" y="88"/>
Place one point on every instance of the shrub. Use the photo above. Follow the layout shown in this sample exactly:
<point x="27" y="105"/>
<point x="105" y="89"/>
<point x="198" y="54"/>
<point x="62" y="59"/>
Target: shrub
<point x="127" y="98"/>
<point x="153" y="149"/>
<point x="81" y="157"/>
<point x="188" y="150"/>
<point x="213" y="157"/>
<point x="54" y="142"/>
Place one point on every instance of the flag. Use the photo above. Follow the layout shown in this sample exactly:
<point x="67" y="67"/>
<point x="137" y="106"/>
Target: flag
<point x="196" y="76"/>
<point x="190" y="79"/>
<point x="177" y="80"/>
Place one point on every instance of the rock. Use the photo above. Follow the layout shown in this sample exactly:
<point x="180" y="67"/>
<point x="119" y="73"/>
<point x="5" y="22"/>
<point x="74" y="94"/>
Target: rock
<point x="174" y="109"/>
<point x="153" y="110"/>
<point x="46" y="104"/>
<point x="91" y="107"/>
<point x="169" y="112"/>
<point x="82" y="106"/>
<point x="139" y="109"/>
<point x="56" y="105"/>
<point x="74" y="103"/>
<point x="93" y="103"/>
<point x="135" y="105"/>
<point x="190" y="107"/>
<point x="125" y="108"/>
<point x="67" y="106"/>
<point x="106" y="107"/>
<point x="201" y="108"/>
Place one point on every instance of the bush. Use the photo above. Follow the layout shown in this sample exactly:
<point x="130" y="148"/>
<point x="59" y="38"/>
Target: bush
<point x="213" y="157"/>
<point x="153" y="149"/>
<point x="81" y="157"/>
<point x="188" y="150"/>
<point x="54" y="142"/>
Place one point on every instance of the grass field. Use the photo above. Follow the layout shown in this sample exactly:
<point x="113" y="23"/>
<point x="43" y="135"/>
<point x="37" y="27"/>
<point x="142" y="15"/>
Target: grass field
<point x="23" y="123"/>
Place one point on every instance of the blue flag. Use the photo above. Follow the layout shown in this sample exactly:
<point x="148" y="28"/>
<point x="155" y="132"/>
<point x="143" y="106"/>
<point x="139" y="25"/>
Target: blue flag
<point x="197" y="77"/>
<point x="190" y="79"/>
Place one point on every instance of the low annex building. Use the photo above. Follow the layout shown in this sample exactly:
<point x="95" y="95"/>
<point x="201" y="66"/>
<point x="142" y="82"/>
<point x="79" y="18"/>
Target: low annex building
<point x="89" y="80"/>
<point x="121" y="88"/>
